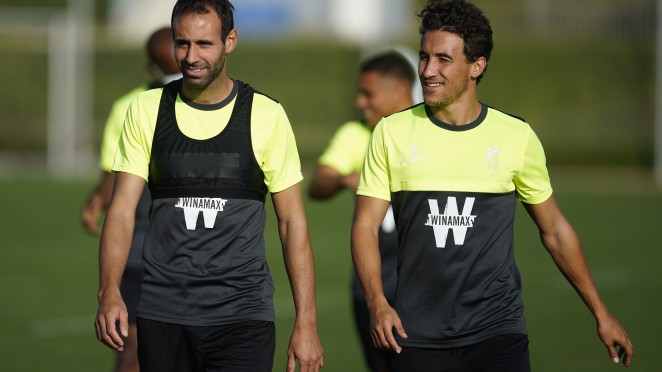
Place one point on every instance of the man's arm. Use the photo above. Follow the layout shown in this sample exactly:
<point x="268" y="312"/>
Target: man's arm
<point x="368" y="216"/>
<point x="305" y="345"/>
<point x="113" y="253"/>
<point x="327" y="182"/>
<point x="97" y="203"/>
<point x="560" y="239"/>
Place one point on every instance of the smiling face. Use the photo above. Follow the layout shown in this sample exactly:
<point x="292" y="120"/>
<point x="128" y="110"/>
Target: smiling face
<point x="200" y="52"/>
<point x="445" y="73"/>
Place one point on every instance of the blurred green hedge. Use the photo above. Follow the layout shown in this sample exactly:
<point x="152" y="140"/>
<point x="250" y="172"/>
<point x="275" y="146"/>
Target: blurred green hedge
<point x="588" y="102"/>
<point x="589" y="97"/>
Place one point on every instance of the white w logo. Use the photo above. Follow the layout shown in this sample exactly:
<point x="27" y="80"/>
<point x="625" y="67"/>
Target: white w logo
<point x="450" y="219"/>
<point x="193" y="206"/>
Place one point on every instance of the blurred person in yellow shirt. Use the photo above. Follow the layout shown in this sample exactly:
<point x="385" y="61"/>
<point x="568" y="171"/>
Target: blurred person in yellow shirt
<point x="163" y="69"/>
<point x="385" y="87"/>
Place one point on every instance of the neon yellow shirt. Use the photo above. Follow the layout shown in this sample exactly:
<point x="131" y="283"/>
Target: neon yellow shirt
<point x="346" y="151"/>
<point x="113" y="128"/>
<point x="499" y="154"/>
<point x="273" y="141"/>
<point x="454" y="191"/>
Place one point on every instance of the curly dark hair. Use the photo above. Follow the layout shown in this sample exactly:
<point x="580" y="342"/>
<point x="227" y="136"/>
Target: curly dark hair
<point x="463" y="19"/>
<point x="223" y="8"/>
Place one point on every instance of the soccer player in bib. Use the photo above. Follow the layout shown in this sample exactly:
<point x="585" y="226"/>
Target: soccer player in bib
<point x="453" y="169"/>
<point x="209" y="148"/>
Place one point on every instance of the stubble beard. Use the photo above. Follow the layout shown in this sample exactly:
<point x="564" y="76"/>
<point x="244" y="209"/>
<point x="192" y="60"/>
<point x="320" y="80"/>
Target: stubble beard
<point x="447" y="99"/>
<point x="204" y="82"/>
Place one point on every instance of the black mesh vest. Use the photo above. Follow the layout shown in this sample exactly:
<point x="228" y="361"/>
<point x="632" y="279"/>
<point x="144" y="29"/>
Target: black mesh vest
<point x="204" y="251"/>
<point x="222" y="166"/>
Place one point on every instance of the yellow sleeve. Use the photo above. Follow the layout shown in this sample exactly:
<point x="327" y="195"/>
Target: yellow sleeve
<point x="347" y="148"/>
<point x="113" y="128"/>
<point x="274" y="144"/>
<point x="135" y="144"/>
<point x="375" y="176"/>
<point x="532" y="181"/>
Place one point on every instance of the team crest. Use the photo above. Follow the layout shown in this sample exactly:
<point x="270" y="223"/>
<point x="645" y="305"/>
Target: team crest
<point x="492" y="159"/>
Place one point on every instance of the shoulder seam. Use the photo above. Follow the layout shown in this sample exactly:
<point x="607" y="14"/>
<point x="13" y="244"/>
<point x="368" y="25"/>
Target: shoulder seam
<point x="509" y="114"/>
<point x="408" y="108"/>
<point x="266" y="95"/>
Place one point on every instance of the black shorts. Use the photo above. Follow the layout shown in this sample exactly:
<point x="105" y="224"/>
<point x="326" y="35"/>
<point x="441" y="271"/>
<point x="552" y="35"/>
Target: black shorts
<point x="239" y="347"/>
<point x="503" y="353"/>
<point x="130" y="290"/>
<point x="377" y="359"/>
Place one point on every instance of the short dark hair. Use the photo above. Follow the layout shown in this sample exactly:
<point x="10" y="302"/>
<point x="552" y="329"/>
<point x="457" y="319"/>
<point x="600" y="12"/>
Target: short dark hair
<point x="463" y="19"/>
<point x="223" y="8"/>
<point x="163" y="34"/>
<point x="390" y="64"/>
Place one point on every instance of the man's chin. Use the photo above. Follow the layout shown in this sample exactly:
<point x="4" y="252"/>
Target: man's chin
<point x="434" y="102"/>
<point x="195" y="83"/>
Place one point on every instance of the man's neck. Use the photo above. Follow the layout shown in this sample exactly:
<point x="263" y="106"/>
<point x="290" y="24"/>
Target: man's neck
<point x="215" y="92"/>
<point x="458" y="113"/>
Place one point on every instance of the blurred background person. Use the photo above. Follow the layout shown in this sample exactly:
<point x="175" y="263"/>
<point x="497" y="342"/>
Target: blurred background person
<point x="385" y="87"/>
<point x="163" y="69"/>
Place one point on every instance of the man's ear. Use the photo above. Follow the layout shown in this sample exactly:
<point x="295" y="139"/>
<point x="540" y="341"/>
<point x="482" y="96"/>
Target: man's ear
<point x="477" y="67"/>
<point x="231" y="41"/>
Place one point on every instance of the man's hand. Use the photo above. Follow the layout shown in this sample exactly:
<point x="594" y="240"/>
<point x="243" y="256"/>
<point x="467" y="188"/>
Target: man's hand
<point x="91" y="213"/>
<point x="112" y="321"/>
<point x="616" y="340"/>
<point x="305" y="346"/>
<point x="383" y="319"/>
<point x="97" y="203"/>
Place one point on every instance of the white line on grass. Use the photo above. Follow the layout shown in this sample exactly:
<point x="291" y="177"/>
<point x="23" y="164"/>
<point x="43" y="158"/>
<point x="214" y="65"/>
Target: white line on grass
<point x="62" y="327"/>
<point x="84" y="324"/>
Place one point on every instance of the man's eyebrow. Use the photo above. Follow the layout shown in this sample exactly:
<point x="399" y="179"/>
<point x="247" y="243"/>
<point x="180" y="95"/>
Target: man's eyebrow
<point x="189" y="41"/>
<point x="437" y="55"/>
<point x="443" y="55"/>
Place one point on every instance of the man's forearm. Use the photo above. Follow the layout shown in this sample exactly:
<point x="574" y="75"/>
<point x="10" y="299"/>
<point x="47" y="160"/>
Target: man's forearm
<point x="114" y="249"/>
<point x="568" y="256"/>
<point x="300" y="266"/>
<point x="325" y="186"/>
<point x="368" y="216"/>
<point x="327" y="182"/>
<point x="367" y="262"/>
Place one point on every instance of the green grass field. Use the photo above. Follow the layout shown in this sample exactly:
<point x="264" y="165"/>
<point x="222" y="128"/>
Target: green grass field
<point x="48" y="277"/>
<point x="590" y="100"/>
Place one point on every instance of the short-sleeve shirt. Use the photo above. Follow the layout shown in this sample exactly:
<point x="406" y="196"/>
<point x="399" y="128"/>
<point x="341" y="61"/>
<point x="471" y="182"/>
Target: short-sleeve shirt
<point x="453" y="191"/>
<point x="113" y="128"/>
<point x="272" y="137"/>
<point x="346" y="150"/>
<point x="213" y="273"/>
